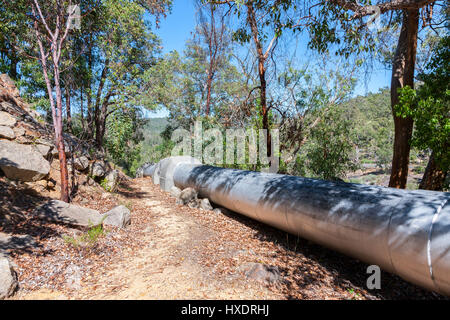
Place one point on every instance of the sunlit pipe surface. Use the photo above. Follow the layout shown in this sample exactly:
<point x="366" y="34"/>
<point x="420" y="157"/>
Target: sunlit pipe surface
<point x="404" y="232"/>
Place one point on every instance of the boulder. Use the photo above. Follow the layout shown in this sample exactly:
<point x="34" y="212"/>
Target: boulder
<point x="111" y="181"/>
<point x="7" y="83"/>
<point x="55" y="153"/>
<point x="22" y="162"/>
<point x="7" y="120"/>
<point x="140" y="173"/>
<point x="62" y="212"/>
<point x="205" y="204"/>
<point x="19" y="131"/>
<point x="8" y="277"/>
<point x="7" y="133"/>
<point x="45" y="142"/>
<point x="195" y="203"/>
<point x="119" y="217"/>
<point x="188" y="195"/>
<point x="98" y="169"/>
<point x="43" y="149"/>
<point x="81" y="163"/>
<point x="53" y="148"/>
<point x="221" y="211"/>
<point x="262" y="273"/>
<point x="10" y="242"/>
<point x="175" y="192"/>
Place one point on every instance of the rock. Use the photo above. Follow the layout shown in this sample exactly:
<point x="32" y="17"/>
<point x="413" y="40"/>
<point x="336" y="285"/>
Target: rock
<point x="43" y="149"/>
<point x="262" y="273"/>
<point x="61" y="212"/>
<point x="5" y="106"/>
<point x="119" y="217"/>
<point x="8" y="277"/>
<point x="7" y="83"/>
<point x="16" y="242"/>
<point x="140" y="173"/>
<point x="22" y="162"/>
<point x="205" y="204"/>
<point x="7" y="120"/>
<point x="175" y="192"/>
<point x="45" y="142"/>
<point x="81" y="163"/>
<point x="53" y="148"/>
<point x="42" y="183"/>
<point x="111" y="181"/>
<point x="221" y="211"/>
<point x="19" y="131"/>
<point x="195" y="203"/>
<point x="188" y="195"/>
<point x="55" y="153"/>
<point x="7" y="133"/>
<point x="50" y="184"/>
<point x="98" y="169"/>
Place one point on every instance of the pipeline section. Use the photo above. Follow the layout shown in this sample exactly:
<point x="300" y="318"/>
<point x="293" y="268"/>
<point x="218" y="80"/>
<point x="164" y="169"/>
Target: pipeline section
<point x="403" y="232"/>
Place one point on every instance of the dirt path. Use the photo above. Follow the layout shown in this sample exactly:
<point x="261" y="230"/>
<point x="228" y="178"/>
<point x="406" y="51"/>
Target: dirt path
<point x="167" y="265"/>
<point x="174" y="252"/>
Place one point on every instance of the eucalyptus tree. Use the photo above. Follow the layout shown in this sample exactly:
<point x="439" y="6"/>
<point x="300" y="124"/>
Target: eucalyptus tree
<point x="341" y="22"/>
<point x="50" y="23"/>
<point x="212" y="33"/>
<point x="353" y="27"/>
<point x="429" y="107"/>
<point x="123" y="48"/>
<point x="13" y="27"/>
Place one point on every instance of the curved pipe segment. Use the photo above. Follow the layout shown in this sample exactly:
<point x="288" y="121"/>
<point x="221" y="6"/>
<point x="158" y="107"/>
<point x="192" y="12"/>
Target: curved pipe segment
<point x="404" y="232"/>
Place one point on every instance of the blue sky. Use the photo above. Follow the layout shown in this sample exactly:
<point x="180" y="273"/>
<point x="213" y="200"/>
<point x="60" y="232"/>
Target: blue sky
<point x="178" y="26"/>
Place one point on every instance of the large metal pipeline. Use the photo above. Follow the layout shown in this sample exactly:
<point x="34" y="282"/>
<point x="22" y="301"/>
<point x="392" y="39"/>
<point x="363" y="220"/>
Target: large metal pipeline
<point x="404" y="232"/>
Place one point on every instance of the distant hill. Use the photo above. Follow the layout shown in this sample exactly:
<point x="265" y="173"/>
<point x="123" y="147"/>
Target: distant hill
<point x="373" y="126"/>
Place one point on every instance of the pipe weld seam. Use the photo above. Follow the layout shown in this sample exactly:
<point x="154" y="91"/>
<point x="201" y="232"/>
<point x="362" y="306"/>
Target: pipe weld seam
<point x="430" y="231"/>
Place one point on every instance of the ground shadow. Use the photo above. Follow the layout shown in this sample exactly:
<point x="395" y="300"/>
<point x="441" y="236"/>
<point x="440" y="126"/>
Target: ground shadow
<point x="22" y="229"/>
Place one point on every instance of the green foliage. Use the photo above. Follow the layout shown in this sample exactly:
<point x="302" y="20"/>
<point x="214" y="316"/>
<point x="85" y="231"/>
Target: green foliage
<point x="122" y="140"/>
<point x="105" y="185"/>
<point x="429" y="106"/>
<point x="328" y="155"/>
<point x="87" y="239"/>
<point x="373" y="127"/>
<point x="156" y="144"/>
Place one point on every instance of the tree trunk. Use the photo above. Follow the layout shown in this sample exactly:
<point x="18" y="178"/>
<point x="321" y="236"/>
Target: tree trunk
<point x="68" y="109"/>
<point x="211" y="63"/>
<point x="251" y="18"/>
<point x="59" y="135"/>
<point x="89" y="116"/>
<point x="13" y="68"/>
<point x="101" y="121"/>
<point x="208" y="91"/>
<point x="403" y="74"/>
<point x="433" y="177"/>
<point x="82" y="108"/>
<point x="100" y="130"/>
<point x="99" y="118"/>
